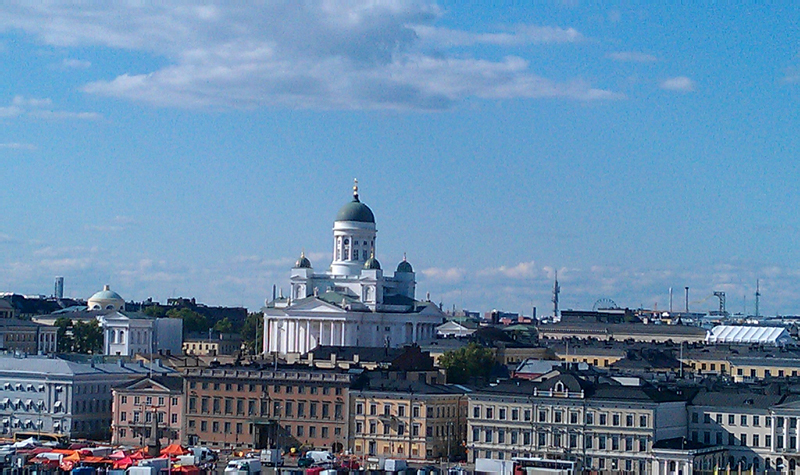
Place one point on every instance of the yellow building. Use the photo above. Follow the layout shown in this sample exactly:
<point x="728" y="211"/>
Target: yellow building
<point x="410" y="419"/>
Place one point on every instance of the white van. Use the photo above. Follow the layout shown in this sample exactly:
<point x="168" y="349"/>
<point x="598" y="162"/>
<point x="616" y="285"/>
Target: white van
<point x="243" y="467"/>
<point x="394" y="465"/>
<point x="320" y="457"/>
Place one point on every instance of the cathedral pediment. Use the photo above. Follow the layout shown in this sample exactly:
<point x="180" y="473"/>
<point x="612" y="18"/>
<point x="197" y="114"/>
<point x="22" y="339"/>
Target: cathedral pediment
<point x="313" y="304"/>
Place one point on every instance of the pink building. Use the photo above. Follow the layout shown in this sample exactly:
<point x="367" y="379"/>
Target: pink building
<point x="144" y="405"/>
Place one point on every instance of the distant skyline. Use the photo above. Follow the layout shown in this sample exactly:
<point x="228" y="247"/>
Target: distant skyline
<point x="195" y="151"/>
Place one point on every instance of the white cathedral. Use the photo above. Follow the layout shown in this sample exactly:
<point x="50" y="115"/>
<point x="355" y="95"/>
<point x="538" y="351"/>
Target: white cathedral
<point x="352" y="303"/>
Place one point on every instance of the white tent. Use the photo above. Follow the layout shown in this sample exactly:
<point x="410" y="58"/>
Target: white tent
<point x="748" y="335"/>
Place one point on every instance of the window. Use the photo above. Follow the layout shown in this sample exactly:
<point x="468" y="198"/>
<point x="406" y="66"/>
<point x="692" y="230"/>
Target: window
<point x="743" y="420"/>
<point x="767" y="441"/>
<point x="573" y="417"/>
<point x="476" y="435"/>
<point x="387" y="409"/>
<point x="301" y="409"/>
<point x="489" y="413"/>
<point x="501" y="436"/>
<point x="629" y="419"/>
<point x="643" y="421"/>
<point x="401" y="411"/>
<point x="558" y="415"/>
<point x="542" y="416"/>
<point x="756" y="421"/>
<point x="603" y="419"/>
<point x="695" y="417"/>
<point x="289" y="407"/>
<point x="527" y="415"/>
<point x="731" y="419"/>
<point x="359" y="408"/>
<point x="514" y="414"/>
<point x="542" y="436"/>
<point x="502" y="413"/>
<point x="615" y="420"/>
<point x="312" y="431"/>
<point x="590" y="418"/>
<point x="706" y="418"/>
<point x="488" y="435"/>
<point x="123" y="416"/>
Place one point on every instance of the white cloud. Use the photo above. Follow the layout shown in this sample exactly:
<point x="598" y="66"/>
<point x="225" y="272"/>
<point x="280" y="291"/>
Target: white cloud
<point x="367" y="54"/>
<point x="522" y="270"/>
<point x="523" y="34"/>
<point x="17" y="146"/>
<point x="41" y="109"/>
<point x="444" y="275"/>
<point x="72" y="63"/>
<point x="632" y="57"/>
<point x="115" y="225"/>
<point x="679" y="84"/>
<point x="64" y="115"/>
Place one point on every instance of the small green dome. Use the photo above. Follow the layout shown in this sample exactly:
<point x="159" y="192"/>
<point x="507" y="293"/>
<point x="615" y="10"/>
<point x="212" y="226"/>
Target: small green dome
<point x="356" y="211"/>
<point x="404" y="266"/>
<point x="303" y="262"/>
<point x="372" y="264"/>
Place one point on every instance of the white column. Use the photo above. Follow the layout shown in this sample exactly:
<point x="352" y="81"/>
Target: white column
<point x="786" y="434"/>
<point x="342" y="328"/>
<point x="774" y="434"/>
<point x="332" y="330"/>
<point x="308" y="335"/>
<point x="414" y="332"/>
<point x="319" y="338"/>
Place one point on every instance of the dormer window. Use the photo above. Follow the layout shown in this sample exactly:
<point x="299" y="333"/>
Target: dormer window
<point x="559" y="387"/>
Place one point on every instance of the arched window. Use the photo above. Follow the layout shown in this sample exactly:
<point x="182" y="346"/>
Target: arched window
<point x="122" y="336"/>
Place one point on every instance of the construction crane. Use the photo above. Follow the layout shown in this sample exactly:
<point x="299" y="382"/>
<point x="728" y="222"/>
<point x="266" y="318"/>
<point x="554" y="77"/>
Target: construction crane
<point x="722" y="312"/>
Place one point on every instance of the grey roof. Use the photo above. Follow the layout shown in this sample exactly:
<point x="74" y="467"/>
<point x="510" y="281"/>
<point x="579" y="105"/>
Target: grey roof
<point x="61" y="367"/>
<point x="365" y="354"/>
<point x="736" y="399"/>
<point x="631" y="328"/>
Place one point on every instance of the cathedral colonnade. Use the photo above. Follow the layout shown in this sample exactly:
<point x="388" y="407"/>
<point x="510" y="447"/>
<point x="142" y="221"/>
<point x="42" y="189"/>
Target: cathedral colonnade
<point x="301" y="335"/>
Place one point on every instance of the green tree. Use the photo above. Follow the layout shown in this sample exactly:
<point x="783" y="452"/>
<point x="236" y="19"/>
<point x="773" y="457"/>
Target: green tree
<point x="252" y="332"/>
<point x="88" y="337"/>
<point x="471" y="361"/>
<point x="155" y="311"/>
<point x="223" y="326"/>
<point x="193" y="322"/>
<point x="65" y="340"/>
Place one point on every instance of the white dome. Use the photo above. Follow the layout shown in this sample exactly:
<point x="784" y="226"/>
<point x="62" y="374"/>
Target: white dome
<point x="106" y="299"/>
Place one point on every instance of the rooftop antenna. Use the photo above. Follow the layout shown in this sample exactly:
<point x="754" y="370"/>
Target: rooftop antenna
<point x="758" y="295"/>
<point x="556" y="291"/>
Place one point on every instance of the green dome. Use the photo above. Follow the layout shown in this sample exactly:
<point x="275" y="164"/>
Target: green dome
<point x="404" y="266"/>
<point x="372" y="264"/>
<point x="303" y="262"/>
<point x="356" y="211"/>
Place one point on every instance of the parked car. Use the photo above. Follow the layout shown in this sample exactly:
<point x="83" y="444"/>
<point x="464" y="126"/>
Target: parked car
<point x="304" y="462"/>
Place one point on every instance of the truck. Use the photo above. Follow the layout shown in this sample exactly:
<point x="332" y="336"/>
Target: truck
<point x="492" y="466"/>
<point x="271" y="458"/>
<point x="394" y="465"/>
<point x="203" y="455"/>
<point x="320" y="457"/>
<point x="250" y="466"/>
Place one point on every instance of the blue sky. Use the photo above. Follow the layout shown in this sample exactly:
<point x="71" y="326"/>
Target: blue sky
<point x="195" y="151"/>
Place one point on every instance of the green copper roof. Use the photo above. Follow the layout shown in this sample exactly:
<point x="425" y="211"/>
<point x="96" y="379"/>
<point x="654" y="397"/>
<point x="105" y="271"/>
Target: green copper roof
<point x="355" y="211"/>
<point x="372" y="263"/>
<point x="404" y="266"/>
